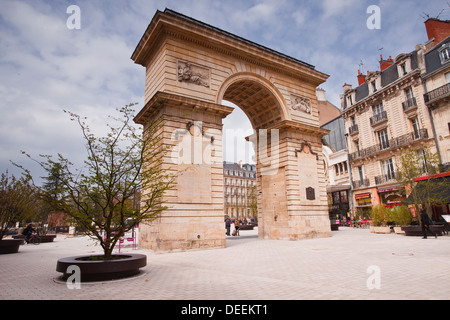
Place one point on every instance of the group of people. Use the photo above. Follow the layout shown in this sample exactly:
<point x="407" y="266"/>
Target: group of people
<point x="232" y="227"/>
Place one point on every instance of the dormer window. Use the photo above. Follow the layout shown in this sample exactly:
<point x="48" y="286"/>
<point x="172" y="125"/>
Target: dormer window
<point x="374" y="86"/>
<point x="350" y="100"/>
<point x="444" y="53"/>
<point x="404" y="70"/>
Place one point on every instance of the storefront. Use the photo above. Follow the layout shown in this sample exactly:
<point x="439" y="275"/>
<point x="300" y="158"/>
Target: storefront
<point x="338" y="204"/>
<point x="363" y="204"/>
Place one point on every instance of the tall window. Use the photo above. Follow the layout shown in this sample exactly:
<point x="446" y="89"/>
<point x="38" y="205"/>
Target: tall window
<point x="388" y="169"/>
<point x="416" y="128"/>
<point x="409" y="93"/>
<point x="383" y="139"/>
<point x="422" y="160"/>
<point x="378" y="109"/>
<point x="361" y="173"/>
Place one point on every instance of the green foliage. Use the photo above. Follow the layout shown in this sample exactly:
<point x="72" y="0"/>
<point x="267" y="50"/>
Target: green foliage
<point x="17" y="200"/>
<point x="401" y="215"/>
<point x="253" y="202"/>
<point x="379" y="215"/>
<point x="414" y="163"/>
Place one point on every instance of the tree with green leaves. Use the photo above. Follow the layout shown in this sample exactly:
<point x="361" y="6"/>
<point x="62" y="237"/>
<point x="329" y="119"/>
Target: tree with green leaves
<point x="415" y="163"/>
<point x="17" y="200"/>
<point x="253" y="202"/>
<point x="121" y="183"/>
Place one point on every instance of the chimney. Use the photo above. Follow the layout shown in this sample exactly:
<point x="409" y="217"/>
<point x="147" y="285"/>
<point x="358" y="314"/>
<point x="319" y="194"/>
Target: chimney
<point x="321" y="94"/>
<point x="384" y="64"/>
<point x="361" y="78"/>
<point x="347" y="86"/>
<point x="437" y="29"/>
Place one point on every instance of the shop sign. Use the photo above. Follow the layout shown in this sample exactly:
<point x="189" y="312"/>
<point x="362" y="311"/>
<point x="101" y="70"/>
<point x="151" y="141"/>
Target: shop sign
<point x="363" y="199"/>
<point x="391" y="196"/>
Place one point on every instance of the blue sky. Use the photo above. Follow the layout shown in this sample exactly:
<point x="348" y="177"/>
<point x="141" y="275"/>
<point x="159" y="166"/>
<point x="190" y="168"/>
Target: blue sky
<point x="46" y="67"/>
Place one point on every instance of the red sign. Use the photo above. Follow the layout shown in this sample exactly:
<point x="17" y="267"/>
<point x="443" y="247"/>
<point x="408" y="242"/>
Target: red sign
<point x="363" y="195"/>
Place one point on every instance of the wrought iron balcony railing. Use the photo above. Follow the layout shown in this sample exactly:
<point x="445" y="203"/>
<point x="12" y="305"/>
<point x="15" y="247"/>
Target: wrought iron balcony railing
<point x="378" y="117"/>
<point x="384" y="178"/>
<point x="409" y="104"/>
<point x="437" y="94"/>
<point x="353" y="129"/>
<point x="393" y="143"/>
<point x="360" y="183"/>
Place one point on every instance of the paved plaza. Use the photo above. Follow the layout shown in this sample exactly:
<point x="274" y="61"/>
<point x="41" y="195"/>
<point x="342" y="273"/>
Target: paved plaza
<point x="349" y="265"/>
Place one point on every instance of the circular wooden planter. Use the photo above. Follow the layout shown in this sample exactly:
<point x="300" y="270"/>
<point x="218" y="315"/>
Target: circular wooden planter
<point x="417" y="230"/>
<point x="10" y="245"/>
<point x="123" y="266"/>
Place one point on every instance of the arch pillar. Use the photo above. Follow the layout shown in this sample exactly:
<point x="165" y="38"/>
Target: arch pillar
<point x="292" y="200"/>
<point x="192" y="129"/>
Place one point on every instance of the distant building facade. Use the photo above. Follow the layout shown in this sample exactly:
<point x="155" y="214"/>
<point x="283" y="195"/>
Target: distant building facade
<point x="336" y="167"/>
<point x="239" y="179"/>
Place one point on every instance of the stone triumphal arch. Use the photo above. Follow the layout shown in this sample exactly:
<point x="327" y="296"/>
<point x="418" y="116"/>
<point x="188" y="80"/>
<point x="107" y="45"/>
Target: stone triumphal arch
<point x="191" y="67"/>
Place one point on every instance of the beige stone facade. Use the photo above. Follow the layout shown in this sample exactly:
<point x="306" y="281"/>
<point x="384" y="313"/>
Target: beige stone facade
<point x="191" y="68"/>
<point x="384" y="114"/>
<point x="436" y="82"/>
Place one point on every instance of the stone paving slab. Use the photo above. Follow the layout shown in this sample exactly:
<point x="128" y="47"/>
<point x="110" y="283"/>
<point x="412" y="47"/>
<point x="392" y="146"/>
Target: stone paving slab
<point x="335" y="268"/>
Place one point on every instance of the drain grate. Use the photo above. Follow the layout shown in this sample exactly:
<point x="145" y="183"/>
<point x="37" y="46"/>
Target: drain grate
<point x="403" y="254"/>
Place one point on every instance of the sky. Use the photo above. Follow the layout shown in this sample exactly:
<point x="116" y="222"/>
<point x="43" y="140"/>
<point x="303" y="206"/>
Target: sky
<point x="47" y="65"/>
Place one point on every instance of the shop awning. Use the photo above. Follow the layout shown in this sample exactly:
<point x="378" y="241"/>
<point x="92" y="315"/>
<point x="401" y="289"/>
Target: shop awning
<point x="434" y="189"/>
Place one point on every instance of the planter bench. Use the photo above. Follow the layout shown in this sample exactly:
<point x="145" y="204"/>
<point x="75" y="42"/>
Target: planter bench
<point x="10" y="245"/>
<point x="124" y="266"/>
<point x="417" y="230"/>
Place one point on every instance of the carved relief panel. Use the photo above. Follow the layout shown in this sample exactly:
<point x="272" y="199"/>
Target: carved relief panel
<point x="300" y="105"/>
<point x="193" y="73"/>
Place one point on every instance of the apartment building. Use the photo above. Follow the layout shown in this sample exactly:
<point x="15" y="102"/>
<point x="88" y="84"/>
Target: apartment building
<point x="239" y="179"/>
<point x="437" y="84"/>
<point x="383" y="114"/>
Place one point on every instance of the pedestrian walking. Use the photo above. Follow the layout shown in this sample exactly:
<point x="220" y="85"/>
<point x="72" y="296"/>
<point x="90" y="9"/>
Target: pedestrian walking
<point x="228" y="225"/>
<point x="426" y="221"/>
<point x="236" y="225"/>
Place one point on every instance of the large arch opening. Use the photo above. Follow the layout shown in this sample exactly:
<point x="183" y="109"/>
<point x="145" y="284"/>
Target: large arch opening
<point x="259" y="100"/>
<point x="256" y="106"/>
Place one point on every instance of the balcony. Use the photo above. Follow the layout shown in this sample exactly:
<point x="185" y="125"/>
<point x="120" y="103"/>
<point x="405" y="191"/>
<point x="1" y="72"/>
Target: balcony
<point x="392" y="144"/>
<point x="353" y="129"/>
<point x="384" y="178"/>
<point x="360" y="183"/>
<point x="378" y="118"/>
<point x="437" y="94"/>
<point x="410" y="107"/>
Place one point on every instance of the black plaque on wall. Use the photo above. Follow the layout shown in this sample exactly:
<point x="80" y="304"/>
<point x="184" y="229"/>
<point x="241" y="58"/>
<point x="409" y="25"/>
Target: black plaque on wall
<point x="310" y="194"/>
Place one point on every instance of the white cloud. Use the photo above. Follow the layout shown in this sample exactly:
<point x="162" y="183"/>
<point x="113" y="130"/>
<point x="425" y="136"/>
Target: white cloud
<point x="45" y="67"/>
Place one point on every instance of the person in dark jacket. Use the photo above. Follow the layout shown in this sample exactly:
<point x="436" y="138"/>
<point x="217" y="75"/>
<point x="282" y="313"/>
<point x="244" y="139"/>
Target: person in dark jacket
<point x="228" y="225"/>
<point x="28" y="231"/>
<point x="426" y="221"/>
